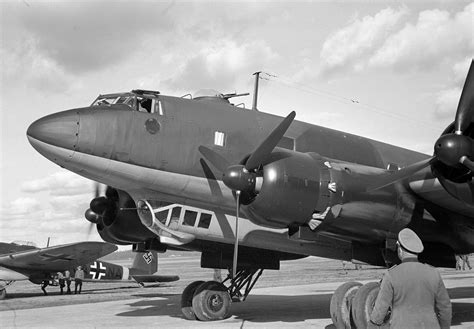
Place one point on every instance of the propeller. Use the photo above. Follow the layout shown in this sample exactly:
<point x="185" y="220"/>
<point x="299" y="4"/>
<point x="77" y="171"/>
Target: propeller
<point x="91" y="215"/>
<point x="242" y="178"/>
<point x="263" y="151"/>
<point x="457" y="149"/>
<point x="101" y="206"/>
<point x="452" y="149"/>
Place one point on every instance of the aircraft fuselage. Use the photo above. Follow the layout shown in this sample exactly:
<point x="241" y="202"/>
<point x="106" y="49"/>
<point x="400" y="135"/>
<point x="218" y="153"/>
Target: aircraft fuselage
<point x="154" y="156"/>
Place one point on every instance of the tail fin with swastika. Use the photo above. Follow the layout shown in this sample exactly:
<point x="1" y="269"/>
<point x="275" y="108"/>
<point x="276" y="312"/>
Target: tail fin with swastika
<point x="144" y="263"/>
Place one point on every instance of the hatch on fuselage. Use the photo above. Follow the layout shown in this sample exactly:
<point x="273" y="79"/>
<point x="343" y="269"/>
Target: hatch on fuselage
<point x="138" y="100"/>
<point x="210" y="95"/>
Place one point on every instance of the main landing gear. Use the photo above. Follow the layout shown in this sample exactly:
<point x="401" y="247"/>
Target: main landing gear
<point x="352" y="303"/>
<point x="211" y="300"/>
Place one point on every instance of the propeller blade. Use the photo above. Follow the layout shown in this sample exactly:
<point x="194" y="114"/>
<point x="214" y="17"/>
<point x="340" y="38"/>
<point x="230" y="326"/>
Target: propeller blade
<point x="468" y="163"/>
<point x="464" y="114"/>
<point x="97" y="190"/>
<point x="89" y="231"/>
<point x="391" y="178"/>
<point x="236" y="243"/>
<point x="111" y="193"/>
<point x="263" y="151"/>
<point x="215" y="158"/>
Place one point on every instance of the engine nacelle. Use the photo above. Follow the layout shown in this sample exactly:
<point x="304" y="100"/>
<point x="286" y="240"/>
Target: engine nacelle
<point x="121" y="225"/>
<point x="109" y="237"/>
<point x="294" y="186"/>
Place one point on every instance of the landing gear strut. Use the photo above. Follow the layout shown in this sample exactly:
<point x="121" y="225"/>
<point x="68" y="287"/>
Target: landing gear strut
<point x="3" y="290"/>
<point x="211" y="300"/>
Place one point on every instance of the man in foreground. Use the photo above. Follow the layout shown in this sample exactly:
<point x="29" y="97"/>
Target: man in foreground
<point x="414" y="291"/>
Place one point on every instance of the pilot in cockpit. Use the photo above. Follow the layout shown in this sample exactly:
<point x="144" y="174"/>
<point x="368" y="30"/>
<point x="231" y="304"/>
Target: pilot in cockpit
<point x="144" y="105"/>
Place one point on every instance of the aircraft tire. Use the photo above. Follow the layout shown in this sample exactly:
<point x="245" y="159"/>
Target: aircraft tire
<point x="187" y="300"/>
<point x="3" y="294"/>
<point x="341" y="301"/>
<point x="211" y="301"/>
<point x="363" y="303"/>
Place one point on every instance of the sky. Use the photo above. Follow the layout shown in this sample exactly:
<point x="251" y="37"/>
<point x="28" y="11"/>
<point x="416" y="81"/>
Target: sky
<point x="387" y="70"/>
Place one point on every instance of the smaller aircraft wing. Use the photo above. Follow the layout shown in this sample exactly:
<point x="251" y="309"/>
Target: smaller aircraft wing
<point x="155" y="278"/>
<point x="57" y="258"/>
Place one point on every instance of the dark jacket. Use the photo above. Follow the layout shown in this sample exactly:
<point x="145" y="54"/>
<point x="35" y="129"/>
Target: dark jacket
<point x="417" y="296"/>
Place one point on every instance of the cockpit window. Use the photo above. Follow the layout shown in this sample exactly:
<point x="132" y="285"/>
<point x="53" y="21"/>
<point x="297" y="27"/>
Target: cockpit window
<point x="137" y="100"/>
<point x="144" y="104"/>
<point x="105" y="100"/>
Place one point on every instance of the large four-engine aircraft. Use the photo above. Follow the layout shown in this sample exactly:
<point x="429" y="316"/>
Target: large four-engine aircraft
<point x="249" y="189"/>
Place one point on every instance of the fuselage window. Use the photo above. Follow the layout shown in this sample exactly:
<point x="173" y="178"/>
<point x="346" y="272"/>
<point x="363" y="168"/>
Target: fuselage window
<point x="122" y="99"/>
<point x="189" y="218"/>
<point x="219" y="138"/>
<point x="205" y="220"/>
<point x="162" y="216"/>
<point x="174" y="219"/>
<point x="287" y="143"/>
<point x="105" y="100"/>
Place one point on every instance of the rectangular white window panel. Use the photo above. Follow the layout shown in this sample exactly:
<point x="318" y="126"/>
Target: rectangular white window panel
<point x="219" y="138"/>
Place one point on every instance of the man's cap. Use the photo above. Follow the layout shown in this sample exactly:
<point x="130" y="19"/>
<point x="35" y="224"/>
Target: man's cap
<point x="409" y="241"/>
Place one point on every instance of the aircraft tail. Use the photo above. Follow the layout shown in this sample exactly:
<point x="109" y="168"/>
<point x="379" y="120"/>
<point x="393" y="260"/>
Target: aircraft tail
<point x="144" y="263"/>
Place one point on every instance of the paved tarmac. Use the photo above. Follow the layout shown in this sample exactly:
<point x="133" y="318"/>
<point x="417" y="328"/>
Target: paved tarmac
<point x="299" y="306"/>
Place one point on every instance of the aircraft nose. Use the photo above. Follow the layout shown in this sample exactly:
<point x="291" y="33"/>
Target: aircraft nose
<point x="59" y="129"/>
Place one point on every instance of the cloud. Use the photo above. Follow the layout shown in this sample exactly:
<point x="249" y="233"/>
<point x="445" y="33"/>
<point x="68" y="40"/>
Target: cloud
<point x="22" y="59"/>
<point x="351" y="44"/>
<point x="21" y="206"/>
<point x="435" y="36"/>
<point x="382" y="40"/>
<point x="446" y="102"/>
<point x="86" y="37"/>
<point x="63" y="183"/>
<point x="221" y="65"/>
<point x="59" y="213"/>
<point x="447" y="99"/>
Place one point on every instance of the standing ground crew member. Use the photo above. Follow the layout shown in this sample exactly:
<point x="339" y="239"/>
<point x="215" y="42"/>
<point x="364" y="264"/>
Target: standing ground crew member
<point x="78" y="277"/>
<point x="413" y="290"/>
<point x="67" y="277"/>
<point x="44" y="284"/>
<point x="61" y="282"/>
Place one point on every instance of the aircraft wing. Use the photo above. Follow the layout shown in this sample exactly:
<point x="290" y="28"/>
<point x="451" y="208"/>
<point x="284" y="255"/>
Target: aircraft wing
<point x="155" y="278"/>
<point x="57" y="258"/>
<point x="431" y="189"/>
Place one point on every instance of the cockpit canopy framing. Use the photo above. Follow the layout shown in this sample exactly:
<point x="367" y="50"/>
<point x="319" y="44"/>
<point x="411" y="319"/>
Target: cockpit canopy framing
<point x="138" y="100"/>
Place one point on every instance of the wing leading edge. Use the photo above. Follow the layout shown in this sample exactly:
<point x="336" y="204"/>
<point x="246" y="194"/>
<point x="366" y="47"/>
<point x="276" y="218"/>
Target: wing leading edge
<point x="57" y="258"/>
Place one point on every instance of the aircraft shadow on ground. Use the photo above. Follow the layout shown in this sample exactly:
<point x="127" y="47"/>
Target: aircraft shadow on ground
<point x="257" y="308"/>
<point x="271" y="308"/>
<point x="54" y="292"/>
